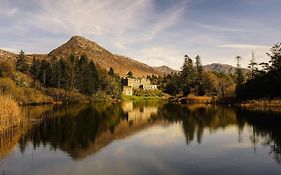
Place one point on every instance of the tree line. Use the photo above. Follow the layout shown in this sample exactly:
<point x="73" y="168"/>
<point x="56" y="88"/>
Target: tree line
<point x="71" y="73"/>
<point x="193" y="79"/>
<point x="264" y="83"/>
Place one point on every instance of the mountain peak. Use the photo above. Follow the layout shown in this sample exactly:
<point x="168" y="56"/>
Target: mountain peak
<point x="77" y="45"/>
<point x="78" y="39"/>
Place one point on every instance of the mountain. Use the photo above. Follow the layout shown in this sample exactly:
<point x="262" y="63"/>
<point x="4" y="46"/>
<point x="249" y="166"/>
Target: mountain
<point x="217" y="67"/>
<point x="122" y="65"/>
<point x="165" y="69"/>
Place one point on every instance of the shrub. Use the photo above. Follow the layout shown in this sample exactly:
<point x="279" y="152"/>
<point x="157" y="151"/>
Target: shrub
<point x="61" y="95"/>
<point x="101" y="96"/>
<point x="6" y="69"/>
<point x="22" y="95"/>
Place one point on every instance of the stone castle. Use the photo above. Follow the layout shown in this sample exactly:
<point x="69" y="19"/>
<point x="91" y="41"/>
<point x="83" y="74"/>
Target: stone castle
<point x="137" y="83"/>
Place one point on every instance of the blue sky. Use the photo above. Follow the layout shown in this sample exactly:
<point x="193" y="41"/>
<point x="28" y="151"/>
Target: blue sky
<point x="156" y="32"/>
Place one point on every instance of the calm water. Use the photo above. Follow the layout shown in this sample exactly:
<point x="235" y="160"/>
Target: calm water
<point x="143" y="138"/>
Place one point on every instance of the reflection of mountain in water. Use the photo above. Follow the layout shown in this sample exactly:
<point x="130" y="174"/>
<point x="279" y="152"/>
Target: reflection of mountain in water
<point x="82" y="130"/>
<point x="90" y="129"/>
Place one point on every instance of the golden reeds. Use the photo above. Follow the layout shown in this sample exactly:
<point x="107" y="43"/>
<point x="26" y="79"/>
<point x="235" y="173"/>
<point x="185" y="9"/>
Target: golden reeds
<point x="10" y="113"/>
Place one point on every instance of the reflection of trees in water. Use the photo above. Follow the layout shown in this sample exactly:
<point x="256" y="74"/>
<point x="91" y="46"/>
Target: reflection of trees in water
<point x="71" y="128"/>
<point x="82" y="130"/>
<point x="197" y="118"/>
<point x="265" y="125"/>
<point x="8" y="141"/>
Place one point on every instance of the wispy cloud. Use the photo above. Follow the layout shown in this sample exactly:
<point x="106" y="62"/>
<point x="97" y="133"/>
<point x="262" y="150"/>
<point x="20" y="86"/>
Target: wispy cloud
<point x="168" y="19"/>
<point x="219" y="28"/>
<point x="244" y="46"/>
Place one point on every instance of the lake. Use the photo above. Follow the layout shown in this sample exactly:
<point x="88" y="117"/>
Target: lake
<point x="143" y="138"/>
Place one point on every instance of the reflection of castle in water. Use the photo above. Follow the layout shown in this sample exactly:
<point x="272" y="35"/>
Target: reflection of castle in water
<point x="83" y="131"/>
<point x="138" y="113"/>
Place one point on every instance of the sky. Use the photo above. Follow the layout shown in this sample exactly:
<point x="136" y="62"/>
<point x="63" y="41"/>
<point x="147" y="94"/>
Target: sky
<point x="156" y="32"/>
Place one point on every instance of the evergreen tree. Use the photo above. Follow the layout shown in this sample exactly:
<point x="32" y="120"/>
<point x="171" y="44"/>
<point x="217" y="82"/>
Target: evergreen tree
<point x="88" y="76"/>
<point x="199" y="67"/>
<point x="111" y="72"/>
<point x="172" y="84"/>
<point x="35" y="68"/>
<point x="252" y="66"/>
<point x="199" y="89"/>
<point x="43" y="72"/>
<point x="21" y="64"/>
<point x="187" y="75"/>
<point x="130" y="74"/>
<point x="239" y="74"/>
<point x="275" y="57"/>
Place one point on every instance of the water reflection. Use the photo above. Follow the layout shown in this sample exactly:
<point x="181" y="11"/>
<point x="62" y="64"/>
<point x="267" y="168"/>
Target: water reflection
<point x="265" y="125"/>
<point x="82" y="131"/>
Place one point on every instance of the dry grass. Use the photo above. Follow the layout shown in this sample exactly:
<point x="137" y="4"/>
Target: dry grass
<point x="10" y="113"/>
<point x="262" y="103"/>
<point x="192" y="99"/>
<point x="8" y="140"/>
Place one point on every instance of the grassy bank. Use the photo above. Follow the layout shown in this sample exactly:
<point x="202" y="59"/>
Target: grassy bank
<point x="261" y="103"/>
<point x="192" y="99"/>
<point x="139" y="98"/>
<point x="10" y="113"/>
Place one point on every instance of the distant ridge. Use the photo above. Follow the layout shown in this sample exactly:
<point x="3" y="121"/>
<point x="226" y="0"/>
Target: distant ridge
<point x="218" y="67"/>
<point x="165" y="69"/>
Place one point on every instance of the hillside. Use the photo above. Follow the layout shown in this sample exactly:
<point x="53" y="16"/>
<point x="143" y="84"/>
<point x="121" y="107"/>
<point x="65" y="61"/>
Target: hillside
<point x="7" y="56"/>
<point x="217" y="67"/>
<point x="165" y="69"/>
<point x="80" y="46"/>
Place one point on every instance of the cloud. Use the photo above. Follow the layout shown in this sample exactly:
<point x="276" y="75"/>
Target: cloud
<point x="153" y="31"/>
<point x="96" y="17"/>
<point x="244" y="46"/>
<point x="169" y="18"/>
<point x="219" y="28"/>
<point x="161" y="55"/>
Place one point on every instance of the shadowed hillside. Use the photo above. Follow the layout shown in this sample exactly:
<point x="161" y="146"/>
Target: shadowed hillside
<point x="165" y="69"/>
<point x="217" y="67"/>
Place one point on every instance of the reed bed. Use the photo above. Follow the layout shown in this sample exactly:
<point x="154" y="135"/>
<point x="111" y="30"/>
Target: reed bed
<point x="10" y="113"/>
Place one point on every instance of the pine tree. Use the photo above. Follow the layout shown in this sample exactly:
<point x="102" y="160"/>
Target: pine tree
<point x="111" y="72"/>
<point x="35" y="68"/>
<point x="199" y="67"/>
<point x="21" y="64"/>
<point x="199" y="89"/>
<point x="187" y="75"/>
<point x="252" y="66"/>
<point x="130" y="74"/>
<point x="275" y="57"/>
<point x="239" y="74"/>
